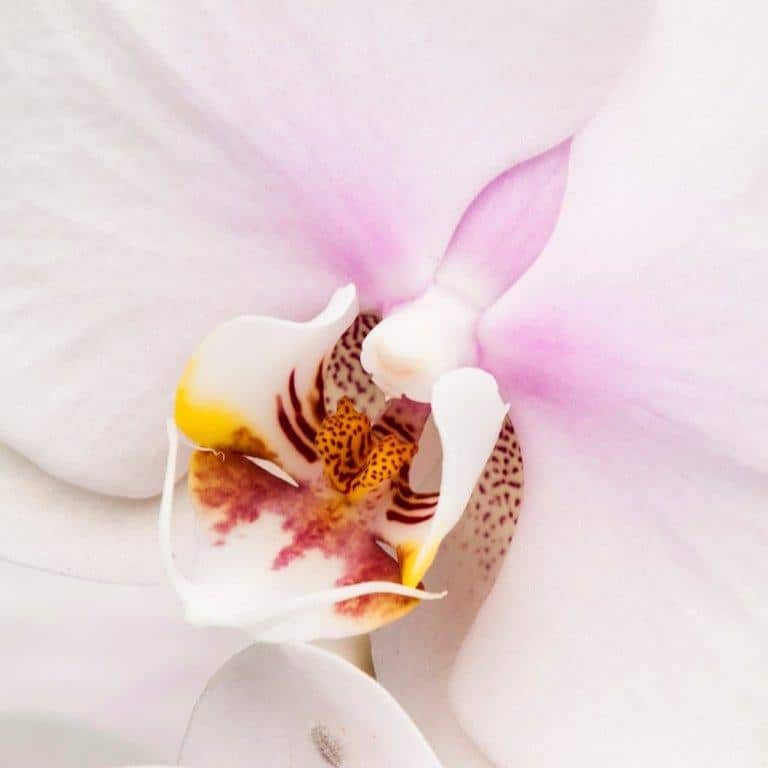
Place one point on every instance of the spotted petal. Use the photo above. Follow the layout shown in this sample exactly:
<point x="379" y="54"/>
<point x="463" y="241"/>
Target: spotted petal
<point x="414" y="657"/>
<point x="467" y="414"/>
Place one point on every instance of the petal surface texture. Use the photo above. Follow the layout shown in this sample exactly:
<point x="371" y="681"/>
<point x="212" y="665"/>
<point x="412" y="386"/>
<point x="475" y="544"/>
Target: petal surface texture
<point x="467" y="413"/>
<point x="58" y="527"/>
<point x="414" y="656"/>
<point x="246" y="160"/>
<point x="506" y="227"/>
<point x="255" y="385"/>
<point x="97" y="675"/>
<point x="629" y="623"/>
<point x="293" y="705"/>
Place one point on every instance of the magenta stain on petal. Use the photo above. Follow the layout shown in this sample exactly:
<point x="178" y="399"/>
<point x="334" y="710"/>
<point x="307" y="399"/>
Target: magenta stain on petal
<point x="231" y="491"/>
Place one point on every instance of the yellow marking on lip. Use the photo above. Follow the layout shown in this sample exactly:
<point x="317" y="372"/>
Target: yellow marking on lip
<point x="213" y="424"/>
<point x="414" y="561"/>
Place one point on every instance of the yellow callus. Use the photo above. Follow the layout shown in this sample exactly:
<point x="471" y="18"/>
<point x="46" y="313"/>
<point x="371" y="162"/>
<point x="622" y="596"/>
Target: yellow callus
<point x="212" y="424"/>
<point x="415" y="560"/>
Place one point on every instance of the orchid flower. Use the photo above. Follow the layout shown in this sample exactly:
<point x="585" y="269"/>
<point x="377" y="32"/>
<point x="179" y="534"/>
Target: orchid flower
<point x="152" y="689"/>
<point x="205" y="173"/>
<point x="306" y="557"/>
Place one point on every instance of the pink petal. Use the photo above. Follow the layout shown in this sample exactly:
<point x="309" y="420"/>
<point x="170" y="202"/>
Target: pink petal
<point x="147" y="194"/>
<point x="371" y="131"/>
<point x="628" y="625"/>
<point x="506" y="228"/>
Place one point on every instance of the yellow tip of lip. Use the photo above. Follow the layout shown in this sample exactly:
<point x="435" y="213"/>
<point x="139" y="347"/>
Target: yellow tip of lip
<point x="213" y="424"/>
<point x="415" y="561"/>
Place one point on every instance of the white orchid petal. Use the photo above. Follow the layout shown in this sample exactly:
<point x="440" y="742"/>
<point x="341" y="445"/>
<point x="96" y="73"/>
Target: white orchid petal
<point x="252" y="386"/>
<point x="57" y="527"/>
<point x="160" y="187"/>
<point x="418" y="342"/>
<point x="61" y="741"/>
<point x="649" y="300"/>
<point x="95" y="674"/>
<point x="469" y="559"/>
<point x="382" y="188"/>
<point x="468" y="414"/>
<point x="294" y="705"/>
<point x="629" y="622"/>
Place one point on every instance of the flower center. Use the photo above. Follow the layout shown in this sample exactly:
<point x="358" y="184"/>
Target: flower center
<point x="419" y="342"/>
<point x="356" y="459"/>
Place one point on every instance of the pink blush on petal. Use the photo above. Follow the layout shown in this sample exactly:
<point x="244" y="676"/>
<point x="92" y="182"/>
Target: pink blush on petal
<point x="233" y="492"/>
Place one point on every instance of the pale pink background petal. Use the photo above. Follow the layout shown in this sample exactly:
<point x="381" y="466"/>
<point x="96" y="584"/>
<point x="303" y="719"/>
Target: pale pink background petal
<point x="160" y="155"/>
<point x="95" y="674"/>
<point x="506" y="227"/>
<point x="628" y="623"/>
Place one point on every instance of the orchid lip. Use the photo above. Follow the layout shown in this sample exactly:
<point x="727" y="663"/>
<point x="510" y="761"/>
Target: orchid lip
<point x="279" y="402"/>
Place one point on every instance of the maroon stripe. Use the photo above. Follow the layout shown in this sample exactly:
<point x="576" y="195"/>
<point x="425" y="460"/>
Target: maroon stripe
<point x="285" y="424"/>
<point x="413" y="495"/>
<point x="301" y="422"/>
<point x="404" y="488"/>
<point x="407" y="519"/>
<point x="405" y="504"/>
<point x="392" y="424"/>
<point x="319" y="407"/>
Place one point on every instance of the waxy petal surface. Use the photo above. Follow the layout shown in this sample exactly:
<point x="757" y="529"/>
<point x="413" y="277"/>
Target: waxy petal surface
<point x="58" y="527"/>
<point x="633" y="353"/>
<point x="629" y="622"/>
<point x="468" y="414"/>
<point x="245" y="160"/>
<point x="97" y="675"/>
<point x="414" y="657"/>
<point x="255" y="386"/>
<point x="271" y="545"/>
<point x="506" y="228"/>
<point x="291" y="705"/>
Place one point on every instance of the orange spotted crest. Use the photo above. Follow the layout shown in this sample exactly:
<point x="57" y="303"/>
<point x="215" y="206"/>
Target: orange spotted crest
<point x="357" y="460"/>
